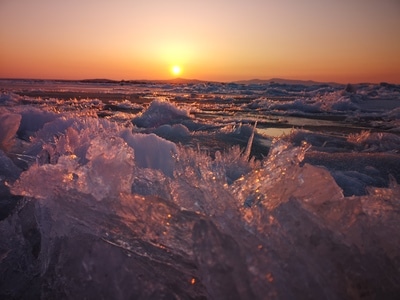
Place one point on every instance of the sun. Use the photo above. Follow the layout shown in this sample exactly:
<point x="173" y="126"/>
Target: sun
<point x="176" y="70"/>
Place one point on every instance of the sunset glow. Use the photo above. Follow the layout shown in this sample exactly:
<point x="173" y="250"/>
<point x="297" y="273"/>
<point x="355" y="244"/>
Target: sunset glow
<point x="176" y="70"/>
<point x="342" y="41"/>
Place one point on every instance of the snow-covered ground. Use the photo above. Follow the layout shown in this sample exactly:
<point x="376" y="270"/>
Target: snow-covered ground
<point x="199" y="190"/>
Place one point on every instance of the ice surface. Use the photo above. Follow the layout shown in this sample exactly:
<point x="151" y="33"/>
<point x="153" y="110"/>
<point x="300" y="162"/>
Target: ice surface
<point x="105" y="209"/>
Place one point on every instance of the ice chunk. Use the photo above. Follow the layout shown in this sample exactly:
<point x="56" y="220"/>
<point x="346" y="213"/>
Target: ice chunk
<point x="200" y="185"/>
<point x="66" y="136"/>
<point x="320" y="141"/>
<point x="19" y="249"/>
<point x="354" y="183"/>
<point x="299" y="105"/>
<point x="70" y="135"/>
<point x="151" y="182"/>
<point x="159" y="113"/>
<point x="246" y="153"/>
<point x="45" y="181"/>
<point x="376" y="165"/>
<point x="394" y="113"/>
<point x="282" y="177"/>
<point x="109" y="171"/>
<point x="55" y="128"/>
<point x="234" y="164"/>
<point x="151" y="151"/>
<point x="174" y="132"/>
<point x="9" y="99"/>
<point x="34" y="119"/>
<point x="376" y="141"/>
<point x="344" y="104"/>
<point x="221" y="263"/>
<point x="8" y="170"/>
<point x="9" y="124"/>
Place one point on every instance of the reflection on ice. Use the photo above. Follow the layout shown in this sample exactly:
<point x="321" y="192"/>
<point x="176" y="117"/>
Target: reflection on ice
<point x="274" y="132"/>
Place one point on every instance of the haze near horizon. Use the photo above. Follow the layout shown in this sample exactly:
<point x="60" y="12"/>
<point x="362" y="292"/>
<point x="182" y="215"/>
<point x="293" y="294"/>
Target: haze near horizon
<point x="339" y="41"/>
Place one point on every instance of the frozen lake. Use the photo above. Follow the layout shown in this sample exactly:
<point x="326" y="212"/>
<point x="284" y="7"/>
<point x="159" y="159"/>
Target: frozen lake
<point x="158" y="190"/>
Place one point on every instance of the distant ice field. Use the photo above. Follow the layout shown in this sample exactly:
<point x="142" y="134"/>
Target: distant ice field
<point x="160" y="190"/>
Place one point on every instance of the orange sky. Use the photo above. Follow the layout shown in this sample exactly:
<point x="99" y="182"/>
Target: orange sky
<point x="223" y="40"/>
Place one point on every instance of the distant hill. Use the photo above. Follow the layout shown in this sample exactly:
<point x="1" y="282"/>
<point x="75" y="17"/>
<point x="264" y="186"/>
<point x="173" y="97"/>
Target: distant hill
<point x="251" y="81"/>
<point x="97" y="80"/>
<point x="179" y="81"/>
<point x="195" y="81"/>
<point x="145" y="81"/>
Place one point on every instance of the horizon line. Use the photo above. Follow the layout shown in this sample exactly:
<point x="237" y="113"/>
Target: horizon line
<point x="186" y="80"/>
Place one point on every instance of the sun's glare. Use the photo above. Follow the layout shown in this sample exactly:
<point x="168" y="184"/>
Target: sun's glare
<point x="176" y="70"/>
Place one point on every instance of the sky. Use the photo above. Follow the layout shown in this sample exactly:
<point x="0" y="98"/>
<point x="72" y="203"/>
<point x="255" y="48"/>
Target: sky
<point x="220" y="40"/>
